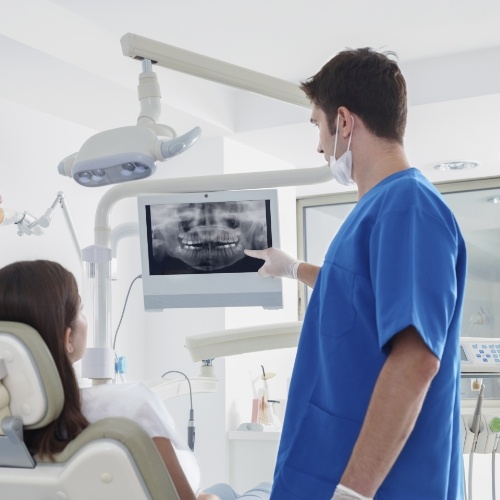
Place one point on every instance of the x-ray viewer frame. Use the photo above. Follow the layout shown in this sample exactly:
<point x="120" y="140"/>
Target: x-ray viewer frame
<point x="211" y="289"/>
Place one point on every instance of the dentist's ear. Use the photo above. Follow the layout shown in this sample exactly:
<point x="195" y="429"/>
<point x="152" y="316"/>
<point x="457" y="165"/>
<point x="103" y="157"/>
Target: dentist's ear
<point x="345" y="121"/>
<point x="68" y="346"/>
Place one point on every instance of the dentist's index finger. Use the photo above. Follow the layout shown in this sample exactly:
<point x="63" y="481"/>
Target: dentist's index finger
<point x="258" y="254"/>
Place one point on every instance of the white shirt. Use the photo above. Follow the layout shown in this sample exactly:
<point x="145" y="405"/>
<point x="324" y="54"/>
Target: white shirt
<point x="137" y="402"/>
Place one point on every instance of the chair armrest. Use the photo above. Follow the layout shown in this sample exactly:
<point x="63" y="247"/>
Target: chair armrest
<point x="141" y="447"/>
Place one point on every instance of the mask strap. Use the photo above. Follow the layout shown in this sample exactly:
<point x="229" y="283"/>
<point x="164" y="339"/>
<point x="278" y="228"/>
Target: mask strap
<point x="336" y="137"/>
<point x="350" y="136"/>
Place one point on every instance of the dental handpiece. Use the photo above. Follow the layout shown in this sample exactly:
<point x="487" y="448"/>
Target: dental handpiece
<point x="477" y="412"/>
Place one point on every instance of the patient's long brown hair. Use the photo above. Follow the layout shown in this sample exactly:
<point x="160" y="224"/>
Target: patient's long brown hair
<point x="44" y="295"/>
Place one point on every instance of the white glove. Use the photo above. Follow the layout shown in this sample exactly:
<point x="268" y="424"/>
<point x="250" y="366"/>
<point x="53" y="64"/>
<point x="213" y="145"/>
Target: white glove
<point x="277" y="263"/>
<point x="343" y="493"/>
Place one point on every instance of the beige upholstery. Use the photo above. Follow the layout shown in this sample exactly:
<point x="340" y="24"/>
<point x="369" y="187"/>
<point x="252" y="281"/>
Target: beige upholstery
<point x="111" y="459"/>
<point x="40" y="391"/>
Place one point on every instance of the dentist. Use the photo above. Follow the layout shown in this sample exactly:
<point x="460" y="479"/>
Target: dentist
<point x="373" y="408"/>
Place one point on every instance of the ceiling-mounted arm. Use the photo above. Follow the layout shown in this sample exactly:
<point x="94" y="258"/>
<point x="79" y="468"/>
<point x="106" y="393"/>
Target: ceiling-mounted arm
<point x="139" y="47"/>
<point x="149" y="95"/>
<point x="150" y="102"/>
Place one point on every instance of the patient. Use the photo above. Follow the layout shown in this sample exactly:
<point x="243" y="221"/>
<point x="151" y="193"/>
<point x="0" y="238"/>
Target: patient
<point x="44" y="295"/>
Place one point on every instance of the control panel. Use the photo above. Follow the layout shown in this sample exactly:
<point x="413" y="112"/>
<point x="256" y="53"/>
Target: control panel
<point x="480" y="355"/>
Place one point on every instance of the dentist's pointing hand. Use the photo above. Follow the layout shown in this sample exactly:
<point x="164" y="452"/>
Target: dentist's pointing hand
<point x="277" y="263"/>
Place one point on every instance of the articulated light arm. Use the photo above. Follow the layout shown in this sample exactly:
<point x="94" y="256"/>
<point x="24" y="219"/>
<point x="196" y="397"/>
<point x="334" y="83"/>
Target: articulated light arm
<point x="184" y="61"/>
<point x="29" y="225"/>
<point x="242" y="340"/>
<point x="225" y="182"/>
<point x="69" y="221"/>
<point x="200" y="184"/>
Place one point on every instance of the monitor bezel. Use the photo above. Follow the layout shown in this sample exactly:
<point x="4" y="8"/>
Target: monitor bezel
<point x="213" y="289"/>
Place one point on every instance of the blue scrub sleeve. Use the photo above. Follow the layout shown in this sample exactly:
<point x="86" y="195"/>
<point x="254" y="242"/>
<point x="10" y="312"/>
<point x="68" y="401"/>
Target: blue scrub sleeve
<point x="413" y="270"/>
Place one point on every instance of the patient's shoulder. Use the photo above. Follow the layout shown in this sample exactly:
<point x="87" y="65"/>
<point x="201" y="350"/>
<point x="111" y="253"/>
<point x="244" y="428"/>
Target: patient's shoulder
<point x="134" y="401"/>
<point x="109" y="395"/>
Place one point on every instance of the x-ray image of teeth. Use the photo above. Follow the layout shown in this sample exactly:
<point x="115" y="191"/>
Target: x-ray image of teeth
<point x="208" y="237"/>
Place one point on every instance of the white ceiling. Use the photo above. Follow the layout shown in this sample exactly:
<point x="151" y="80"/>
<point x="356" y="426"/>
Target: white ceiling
<point x="63" y="58"/>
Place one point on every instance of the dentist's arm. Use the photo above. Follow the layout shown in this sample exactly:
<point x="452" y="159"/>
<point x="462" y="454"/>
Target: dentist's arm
<point x="174" y="468"/>
<point x="307" y="273"/>
<point x="278" y="264"/>
<point x="394" y="407"/>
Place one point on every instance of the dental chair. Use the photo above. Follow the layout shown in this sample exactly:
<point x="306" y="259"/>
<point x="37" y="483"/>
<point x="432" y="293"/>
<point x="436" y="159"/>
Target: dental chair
<point x="111" y="459"/>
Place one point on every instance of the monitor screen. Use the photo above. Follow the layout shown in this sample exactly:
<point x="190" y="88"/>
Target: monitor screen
<point x="192" y="249"/>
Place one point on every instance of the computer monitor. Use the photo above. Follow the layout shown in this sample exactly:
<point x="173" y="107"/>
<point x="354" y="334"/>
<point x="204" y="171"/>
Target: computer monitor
<point x="192" y="249"/>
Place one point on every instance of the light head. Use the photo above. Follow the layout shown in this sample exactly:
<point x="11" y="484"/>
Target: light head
<point x="122" y="154"/>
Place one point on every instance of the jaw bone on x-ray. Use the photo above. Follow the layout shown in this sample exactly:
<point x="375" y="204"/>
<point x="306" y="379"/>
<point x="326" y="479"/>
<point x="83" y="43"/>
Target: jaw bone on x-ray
<point x="208" y="237"/>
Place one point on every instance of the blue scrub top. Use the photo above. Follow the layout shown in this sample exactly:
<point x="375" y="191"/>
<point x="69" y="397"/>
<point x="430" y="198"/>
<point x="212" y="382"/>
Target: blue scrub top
<point x="398" y="260"/>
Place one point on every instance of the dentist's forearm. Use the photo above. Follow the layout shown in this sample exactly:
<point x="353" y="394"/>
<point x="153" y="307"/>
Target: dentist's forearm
<point x="395" y="405"/>
<point x="307" y="273"/>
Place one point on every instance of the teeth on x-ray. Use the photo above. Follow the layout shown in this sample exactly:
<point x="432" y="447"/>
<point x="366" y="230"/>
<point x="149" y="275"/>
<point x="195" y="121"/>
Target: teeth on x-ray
<point x="210" y="246"/>
<point x="209" y="236"/>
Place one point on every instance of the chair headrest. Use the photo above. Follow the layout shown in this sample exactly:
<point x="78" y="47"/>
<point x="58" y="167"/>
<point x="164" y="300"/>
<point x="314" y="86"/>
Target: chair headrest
<point x="32" y="380"/>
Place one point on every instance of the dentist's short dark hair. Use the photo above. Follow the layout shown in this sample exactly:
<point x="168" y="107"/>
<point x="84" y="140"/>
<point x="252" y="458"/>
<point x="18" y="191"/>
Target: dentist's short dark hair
<point x="369" y="84"/>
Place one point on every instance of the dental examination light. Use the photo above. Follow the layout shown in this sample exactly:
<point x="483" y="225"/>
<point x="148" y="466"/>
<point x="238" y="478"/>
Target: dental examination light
<point x="28" y="224"/>
<point x="129" y="153"/>
<point x="163" y="55"/>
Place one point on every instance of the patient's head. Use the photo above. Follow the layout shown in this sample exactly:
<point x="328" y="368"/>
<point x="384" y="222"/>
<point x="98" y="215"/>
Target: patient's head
<point x="44" y="295"/>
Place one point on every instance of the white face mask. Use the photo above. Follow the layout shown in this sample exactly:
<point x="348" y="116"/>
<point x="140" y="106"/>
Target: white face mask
<point x="342" y="168"/>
